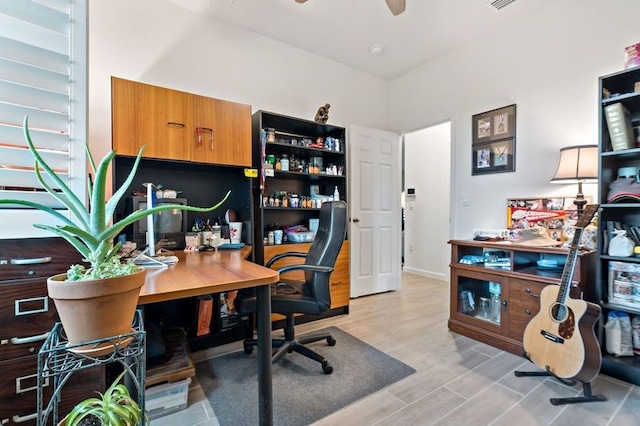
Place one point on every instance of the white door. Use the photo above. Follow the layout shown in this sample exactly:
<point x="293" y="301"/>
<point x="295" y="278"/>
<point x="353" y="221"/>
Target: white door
<point x="374" y="198"/>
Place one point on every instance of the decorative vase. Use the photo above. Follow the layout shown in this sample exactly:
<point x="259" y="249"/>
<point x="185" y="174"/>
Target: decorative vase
<point x="96" y="309"/>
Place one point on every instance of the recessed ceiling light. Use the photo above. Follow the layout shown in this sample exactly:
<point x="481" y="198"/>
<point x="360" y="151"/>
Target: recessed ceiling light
<point x="376" y="49"/>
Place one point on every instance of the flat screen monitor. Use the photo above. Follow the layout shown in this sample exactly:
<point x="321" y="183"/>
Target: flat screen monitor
<point x="169" y="225"/>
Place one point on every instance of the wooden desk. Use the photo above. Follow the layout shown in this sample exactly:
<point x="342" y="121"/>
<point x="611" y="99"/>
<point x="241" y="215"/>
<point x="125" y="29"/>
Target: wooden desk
<point x="197" y="274"/>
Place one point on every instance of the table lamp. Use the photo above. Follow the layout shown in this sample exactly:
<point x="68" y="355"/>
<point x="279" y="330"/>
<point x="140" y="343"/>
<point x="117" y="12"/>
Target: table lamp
<point x="577" y="164"/>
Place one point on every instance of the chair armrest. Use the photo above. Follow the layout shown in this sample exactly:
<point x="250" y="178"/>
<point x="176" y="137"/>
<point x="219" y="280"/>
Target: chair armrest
<point x="282" y="255"/>
<point x="306" y="268"/>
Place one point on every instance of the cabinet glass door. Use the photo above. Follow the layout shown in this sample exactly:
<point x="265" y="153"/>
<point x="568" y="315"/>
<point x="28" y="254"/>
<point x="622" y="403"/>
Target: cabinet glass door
<point x="480" y="299"/>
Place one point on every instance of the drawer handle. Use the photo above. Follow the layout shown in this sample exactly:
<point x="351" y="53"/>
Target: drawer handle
<point x="528" y="290"/>
<point x="337" y="283"/>
<point x="174" y="124"/>
<point x="31" y="261"/>
<point x="33" y="305"/>
<point x="22" y="419"/>
<point x="30" y="339"/>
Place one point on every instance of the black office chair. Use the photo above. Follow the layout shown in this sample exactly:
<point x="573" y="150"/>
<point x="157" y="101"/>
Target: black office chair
<point x="311" y="296"/>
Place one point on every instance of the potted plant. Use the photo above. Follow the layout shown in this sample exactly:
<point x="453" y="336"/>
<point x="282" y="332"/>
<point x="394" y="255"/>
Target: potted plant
<point x="114" y="407"/>
<point x="99" y="301"/>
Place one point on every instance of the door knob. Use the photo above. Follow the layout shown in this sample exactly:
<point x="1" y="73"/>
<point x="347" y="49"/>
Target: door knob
<point x="355" y="220"/>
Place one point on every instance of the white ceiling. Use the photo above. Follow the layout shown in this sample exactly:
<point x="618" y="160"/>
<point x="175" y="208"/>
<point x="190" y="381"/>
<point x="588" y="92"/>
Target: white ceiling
<point x="344" y="30"/>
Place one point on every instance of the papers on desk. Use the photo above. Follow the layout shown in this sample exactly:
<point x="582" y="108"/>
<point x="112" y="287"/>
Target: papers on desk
<point x="155" y="261"/>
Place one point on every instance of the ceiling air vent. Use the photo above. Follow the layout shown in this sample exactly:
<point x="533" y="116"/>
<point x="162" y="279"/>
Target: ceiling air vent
<point x="499" y="4"/>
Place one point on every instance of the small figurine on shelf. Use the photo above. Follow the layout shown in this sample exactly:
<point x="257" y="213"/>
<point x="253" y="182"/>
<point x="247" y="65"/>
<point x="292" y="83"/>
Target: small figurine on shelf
<point x="323" y="114"/>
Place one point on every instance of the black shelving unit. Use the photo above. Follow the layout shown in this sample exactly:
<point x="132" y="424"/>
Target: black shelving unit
<point x="617" y="87"/>
<point x="291" y="136"/>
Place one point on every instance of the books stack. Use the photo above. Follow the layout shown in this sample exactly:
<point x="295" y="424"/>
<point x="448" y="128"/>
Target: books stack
<point x="619" y="124"/>
<point x="499" y="263"/>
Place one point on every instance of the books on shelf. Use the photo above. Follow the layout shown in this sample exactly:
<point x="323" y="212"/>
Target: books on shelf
<point x="619" y="125"/>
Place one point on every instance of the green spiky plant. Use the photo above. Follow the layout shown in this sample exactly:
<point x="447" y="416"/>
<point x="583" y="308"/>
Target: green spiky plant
<point x="114" y="407"/>
<point x="90" y="230"/>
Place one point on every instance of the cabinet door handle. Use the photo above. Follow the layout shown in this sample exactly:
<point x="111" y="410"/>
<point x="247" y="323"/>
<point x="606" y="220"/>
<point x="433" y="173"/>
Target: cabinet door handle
<point x="30" y="339"/>
<point x="336" y="283"/>
<point x="528" y="290"/>
<point x="527" y="311"/>
<point x="30" y="261"/>
<point x="22" y="419"/>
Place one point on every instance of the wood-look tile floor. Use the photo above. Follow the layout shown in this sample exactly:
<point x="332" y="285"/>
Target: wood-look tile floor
<point x="459" y="381"/>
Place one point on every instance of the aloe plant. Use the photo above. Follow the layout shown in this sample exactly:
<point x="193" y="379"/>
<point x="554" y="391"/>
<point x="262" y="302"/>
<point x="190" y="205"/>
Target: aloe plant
<point x="115" y="407"/>
<point x="90" y="230"/>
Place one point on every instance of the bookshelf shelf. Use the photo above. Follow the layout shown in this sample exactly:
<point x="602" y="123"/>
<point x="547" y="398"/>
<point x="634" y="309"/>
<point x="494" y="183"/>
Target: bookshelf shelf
<point x="622" y="85"/>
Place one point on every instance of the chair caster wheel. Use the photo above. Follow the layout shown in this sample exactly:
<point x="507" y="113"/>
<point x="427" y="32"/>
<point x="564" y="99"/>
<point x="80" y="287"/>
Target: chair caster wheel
<point x="326" y="367"/>
<point x="331" y="341"/>
<point x="248" y="349"/>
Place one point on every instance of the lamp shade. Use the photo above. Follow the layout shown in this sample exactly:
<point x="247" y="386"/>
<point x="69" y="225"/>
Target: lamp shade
<point x="577" y="164"/>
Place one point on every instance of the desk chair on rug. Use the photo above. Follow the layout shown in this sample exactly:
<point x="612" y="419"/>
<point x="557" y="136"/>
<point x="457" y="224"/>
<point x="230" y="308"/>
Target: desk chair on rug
<point x="311" y="296"/>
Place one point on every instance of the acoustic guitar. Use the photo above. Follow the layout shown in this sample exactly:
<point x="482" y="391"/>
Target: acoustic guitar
<point x="561" y="337"/>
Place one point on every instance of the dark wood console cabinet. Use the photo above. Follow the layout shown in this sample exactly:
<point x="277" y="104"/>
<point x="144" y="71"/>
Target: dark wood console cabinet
<point x="515" y="287"/>
<point x="27" y="315"/>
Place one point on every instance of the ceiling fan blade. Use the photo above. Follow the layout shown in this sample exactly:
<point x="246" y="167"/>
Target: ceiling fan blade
<point x="395" y="6"/>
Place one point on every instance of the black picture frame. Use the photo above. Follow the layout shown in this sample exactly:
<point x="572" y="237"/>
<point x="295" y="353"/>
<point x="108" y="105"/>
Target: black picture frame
<point x="494" y="157"/>
<point x="494" y="125"/>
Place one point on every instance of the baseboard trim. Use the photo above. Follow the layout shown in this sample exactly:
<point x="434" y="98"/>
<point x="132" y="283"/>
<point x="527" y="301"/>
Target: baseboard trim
<point x="426" y="274"/>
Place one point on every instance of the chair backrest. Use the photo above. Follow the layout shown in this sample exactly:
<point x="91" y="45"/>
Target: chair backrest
<point x="332" y="229"/>
<point x="324" y="250"/>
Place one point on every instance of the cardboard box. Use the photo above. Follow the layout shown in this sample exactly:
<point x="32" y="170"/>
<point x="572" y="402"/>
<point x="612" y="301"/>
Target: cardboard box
<point x="624" y="284"/>
<point x="632" y="56"/>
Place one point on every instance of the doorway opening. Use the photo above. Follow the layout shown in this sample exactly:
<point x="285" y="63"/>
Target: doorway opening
<point x="426" y="189"/>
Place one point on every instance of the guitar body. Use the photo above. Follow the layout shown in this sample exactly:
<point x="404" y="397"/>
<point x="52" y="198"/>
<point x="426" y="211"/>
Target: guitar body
<point x="561" y="337"/>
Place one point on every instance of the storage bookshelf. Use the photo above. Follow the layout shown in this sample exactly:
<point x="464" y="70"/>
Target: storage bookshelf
<point x="319" y="164"/>
<point x="620" y="88"/>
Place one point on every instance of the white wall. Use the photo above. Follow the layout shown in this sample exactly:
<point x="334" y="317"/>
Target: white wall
<point x="427" y="154"/>
<point x="548" y="64"/>
<point x="159" y="43"/>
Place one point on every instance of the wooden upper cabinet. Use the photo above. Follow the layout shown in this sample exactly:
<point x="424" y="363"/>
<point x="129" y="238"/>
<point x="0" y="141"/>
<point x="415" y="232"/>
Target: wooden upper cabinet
<point x="222" y="131"/>
<point x="175" y="125"/>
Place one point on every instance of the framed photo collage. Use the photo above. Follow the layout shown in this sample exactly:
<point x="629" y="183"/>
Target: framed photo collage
<point x="494" y="141"/>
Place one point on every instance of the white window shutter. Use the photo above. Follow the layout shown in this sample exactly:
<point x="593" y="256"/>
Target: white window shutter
<point x="43" y="74"/>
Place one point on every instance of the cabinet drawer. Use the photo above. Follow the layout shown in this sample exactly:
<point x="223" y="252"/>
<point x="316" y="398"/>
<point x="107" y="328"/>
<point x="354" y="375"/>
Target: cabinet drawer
<point x="524" y="304"/>
<point x="26" y="315"/>
<point x="19" y="395"/>
<point x="340" y="290"/>
<point x="35" y="258"/>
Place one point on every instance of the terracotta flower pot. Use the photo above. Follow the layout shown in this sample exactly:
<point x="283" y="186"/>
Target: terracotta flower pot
<point x="91" y="310"/>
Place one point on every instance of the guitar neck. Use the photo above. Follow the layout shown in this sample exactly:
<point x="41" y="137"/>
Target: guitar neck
<point x="567" y="273"/>
<point x="569" y="267"/>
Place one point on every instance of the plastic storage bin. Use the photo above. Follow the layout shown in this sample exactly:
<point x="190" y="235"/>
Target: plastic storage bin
<point x="167" y="398"/>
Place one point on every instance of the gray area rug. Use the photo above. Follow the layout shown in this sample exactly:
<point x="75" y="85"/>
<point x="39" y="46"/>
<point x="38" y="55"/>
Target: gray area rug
<point x="302" y="393"/>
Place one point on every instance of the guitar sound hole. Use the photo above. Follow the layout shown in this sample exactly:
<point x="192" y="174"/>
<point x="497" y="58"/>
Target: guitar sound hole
<point x="559" y="312"/>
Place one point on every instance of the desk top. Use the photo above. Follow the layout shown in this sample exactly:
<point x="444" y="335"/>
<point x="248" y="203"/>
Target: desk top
<point x="201" y="273"/>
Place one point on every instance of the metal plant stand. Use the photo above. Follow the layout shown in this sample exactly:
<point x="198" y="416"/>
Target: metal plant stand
<point x="57" y="361"/>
